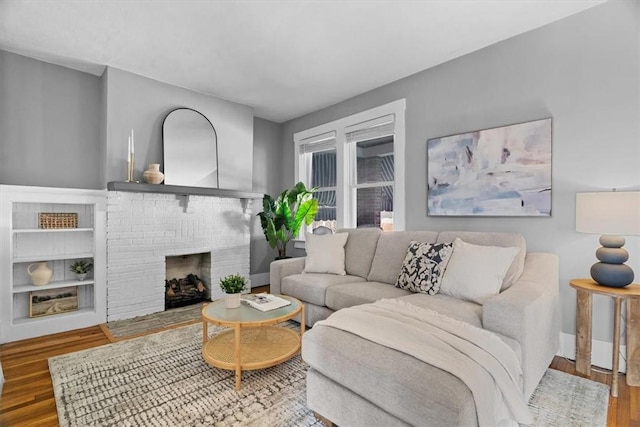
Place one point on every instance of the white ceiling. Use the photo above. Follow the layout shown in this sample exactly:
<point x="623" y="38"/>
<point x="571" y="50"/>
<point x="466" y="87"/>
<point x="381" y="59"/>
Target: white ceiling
<point x="283" y="58"/>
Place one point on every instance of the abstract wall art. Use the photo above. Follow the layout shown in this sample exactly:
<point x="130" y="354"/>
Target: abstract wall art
<point x="503" y="171"/>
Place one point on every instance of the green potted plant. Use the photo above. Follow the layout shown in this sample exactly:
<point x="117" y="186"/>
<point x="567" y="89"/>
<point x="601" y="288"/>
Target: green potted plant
<point x="81" y="268"/>
<point x="233" y="286"/>
<point x="282" y="218"/>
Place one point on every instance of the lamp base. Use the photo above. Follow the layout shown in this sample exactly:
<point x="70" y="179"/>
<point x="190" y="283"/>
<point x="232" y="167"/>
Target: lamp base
<point x="612" y="271"/>
<point x="612" y="275"/>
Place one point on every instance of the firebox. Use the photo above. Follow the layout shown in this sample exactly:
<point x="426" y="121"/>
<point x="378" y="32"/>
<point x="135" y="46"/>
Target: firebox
<point x="187" y="280"/>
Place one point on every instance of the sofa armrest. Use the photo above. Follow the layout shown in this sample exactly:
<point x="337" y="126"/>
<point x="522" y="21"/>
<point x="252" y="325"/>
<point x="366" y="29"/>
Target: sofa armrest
<point x="282" y="268"/>
<point x="529" y="312"/>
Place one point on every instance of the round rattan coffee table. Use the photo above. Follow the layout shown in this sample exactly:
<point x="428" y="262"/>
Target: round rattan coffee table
<point x="254" y="341"/>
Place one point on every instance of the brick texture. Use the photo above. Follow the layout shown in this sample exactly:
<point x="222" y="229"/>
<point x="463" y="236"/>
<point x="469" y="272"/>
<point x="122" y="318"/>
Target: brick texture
<point x="144" y="228"/>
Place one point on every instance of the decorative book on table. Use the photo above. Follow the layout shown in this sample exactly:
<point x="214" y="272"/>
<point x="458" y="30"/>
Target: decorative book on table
<point x="265" y="302"/>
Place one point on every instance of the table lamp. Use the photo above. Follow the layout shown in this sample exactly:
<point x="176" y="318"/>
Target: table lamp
<point x="611" y="214"/>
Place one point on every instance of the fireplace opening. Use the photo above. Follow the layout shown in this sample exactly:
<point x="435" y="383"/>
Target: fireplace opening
<point x="187" y="280"/>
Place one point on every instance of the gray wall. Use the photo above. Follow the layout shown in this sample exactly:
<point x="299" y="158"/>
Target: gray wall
<point x="267" y="163"/>
<point x="64" y="128"/>
<point x="139" y="103"/>
<point x="584" y="72"/>
<point x="49" y="124"/>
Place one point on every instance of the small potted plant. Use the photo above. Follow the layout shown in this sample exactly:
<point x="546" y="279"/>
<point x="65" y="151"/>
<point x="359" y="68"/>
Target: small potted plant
<point x="233" y="286"/>
<point x="81" y="268"/>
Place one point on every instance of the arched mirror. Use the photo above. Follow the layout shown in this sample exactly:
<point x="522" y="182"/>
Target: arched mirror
<point x="190" y="147"/>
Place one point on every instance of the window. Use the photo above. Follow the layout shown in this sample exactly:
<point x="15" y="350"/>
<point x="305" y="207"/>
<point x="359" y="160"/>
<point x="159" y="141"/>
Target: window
<point x="353" y="161"/>
<point x="318" y="168"/>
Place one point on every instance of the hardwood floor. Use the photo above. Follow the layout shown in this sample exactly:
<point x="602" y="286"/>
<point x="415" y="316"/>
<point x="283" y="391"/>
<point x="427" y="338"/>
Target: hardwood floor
<point x="27" y="394"/>
<point x="27" y="397"/>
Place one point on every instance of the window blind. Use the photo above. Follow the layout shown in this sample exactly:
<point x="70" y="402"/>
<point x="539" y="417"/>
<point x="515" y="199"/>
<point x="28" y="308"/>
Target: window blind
<point x="322" y="142"/>
<point x="371" y="129"/>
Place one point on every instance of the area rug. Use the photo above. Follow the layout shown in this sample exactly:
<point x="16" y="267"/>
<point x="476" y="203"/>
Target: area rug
<point x="162" y="380"/>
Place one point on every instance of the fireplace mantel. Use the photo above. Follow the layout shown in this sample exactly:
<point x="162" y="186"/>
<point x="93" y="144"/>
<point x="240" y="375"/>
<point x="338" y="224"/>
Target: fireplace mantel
<point x="181" y="190"/>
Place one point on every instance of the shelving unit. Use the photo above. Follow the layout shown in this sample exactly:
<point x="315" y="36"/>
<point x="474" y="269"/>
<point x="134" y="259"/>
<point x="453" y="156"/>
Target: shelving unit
<point x="24" y="243"/>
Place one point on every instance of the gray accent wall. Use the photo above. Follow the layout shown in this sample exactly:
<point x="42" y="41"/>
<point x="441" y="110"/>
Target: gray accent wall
<point x="582" y="71"/>
<point x="64" y="128"/>
<point x="139" y="103"/>
<point x="49" y="124"/>
<point x="267" y="163"/>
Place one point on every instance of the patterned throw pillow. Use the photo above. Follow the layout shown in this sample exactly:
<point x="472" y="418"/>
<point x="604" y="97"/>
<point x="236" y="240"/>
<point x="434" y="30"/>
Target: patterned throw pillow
<point x="424" y="266"/>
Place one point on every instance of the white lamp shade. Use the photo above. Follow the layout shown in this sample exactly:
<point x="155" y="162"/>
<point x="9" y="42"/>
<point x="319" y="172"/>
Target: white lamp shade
<point x="615" y="212"/>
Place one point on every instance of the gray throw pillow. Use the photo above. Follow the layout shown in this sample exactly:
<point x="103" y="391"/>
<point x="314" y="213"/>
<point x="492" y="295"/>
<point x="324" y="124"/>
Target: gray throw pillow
<point x="424" y="266"/>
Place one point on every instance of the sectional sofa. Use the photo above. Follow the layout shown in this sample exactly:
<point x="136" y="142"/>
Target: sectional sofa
<point x="354" y="381"/>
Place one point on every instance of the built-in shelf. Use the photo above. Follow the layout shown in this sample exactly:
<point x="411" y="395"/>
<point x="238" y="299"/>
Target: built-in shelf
<point x="51" y="257"/>
<point x="18" y="289"/>
<point x="181" y="190"/>
<point x="51" y="230"/>
<point x="23" y="242"/>
<point x="58" y="316"/>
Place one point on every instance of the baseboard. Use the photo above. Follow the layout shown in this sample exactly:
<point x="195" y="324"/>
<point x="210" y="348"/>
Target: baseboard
<point x="600" y="352"/>
<point x="259" y="279"/>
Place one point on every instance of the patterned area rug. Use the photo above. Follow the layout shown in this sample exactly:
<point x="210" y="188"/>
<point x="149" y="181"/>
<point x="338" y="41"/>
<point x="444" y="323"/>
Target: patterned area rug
<point x="162" y="380"/>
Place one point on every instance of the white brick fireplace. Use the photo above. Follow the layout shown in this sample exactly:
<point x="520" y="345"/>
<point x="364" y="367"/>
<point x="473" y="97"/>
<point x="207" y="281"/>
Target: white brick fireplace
<point x="144" y="228"/>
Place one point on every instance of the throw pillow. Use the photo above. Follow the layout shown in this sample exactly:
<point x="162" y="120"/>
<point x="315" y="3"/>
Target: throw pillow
<point x="424" y="266"/>
<point x="475" y="272"/>
<point x="325" y="253"/>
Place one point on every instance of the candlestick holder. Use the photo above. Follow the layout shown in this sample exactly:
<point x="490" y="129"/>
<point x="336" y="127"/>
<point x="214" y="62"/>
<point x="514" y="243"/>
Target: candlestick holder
<point x="130" y="168"/>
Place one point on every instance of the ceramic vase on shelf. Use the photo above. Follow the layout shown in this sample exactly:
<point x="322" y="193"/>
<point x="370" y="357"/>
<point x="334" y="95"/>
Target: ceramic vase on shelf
<point x="41" y="274"/>
<point x="153" y="174"/>
<point x="232" y="300"/>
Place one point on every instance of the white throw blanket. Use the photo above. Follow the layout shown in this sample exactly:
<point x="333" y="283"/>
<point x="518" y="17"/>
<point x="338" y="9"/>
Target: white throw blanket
<point x="487" y="365"/>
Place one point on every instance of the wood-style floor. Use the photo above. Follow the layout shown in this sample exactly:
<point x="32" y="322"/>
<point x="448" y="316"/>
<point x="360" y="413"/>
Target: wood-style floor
<point x="27" y="397"/>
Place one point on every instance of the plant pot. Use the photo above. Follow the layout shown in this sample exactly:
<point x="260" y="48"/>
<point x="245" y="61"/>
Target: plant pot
<point x="81" y="276"/>
<point x="232" y="300"/>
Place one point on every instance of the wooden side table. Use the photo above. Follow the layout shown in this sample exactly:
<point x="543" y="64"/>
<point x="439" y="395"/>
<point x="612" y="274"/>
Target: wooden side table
<point x="585" y="289"/>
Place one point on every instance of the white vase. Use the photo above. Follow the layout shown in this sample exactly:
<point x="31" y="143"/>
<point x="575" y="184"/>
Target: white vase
<point x="232" y="300"/>
<point x="40" y="275"/>
<point x="81" y="276"/>
<point x="153" y="174"/>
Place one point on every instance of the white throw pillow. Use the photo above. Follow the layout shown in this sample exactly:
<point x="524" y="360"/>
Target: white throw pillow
<point x="475" y="273"/>
<point x="325" y="253"/>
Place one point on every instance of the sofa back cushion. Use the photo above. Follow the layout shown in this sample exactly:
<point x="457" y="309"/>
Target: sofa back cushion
<point x="494" y="239"/>
<point x="391" y="251"/>
<point x="325" y="253"/>
<point x="359" y="250"/>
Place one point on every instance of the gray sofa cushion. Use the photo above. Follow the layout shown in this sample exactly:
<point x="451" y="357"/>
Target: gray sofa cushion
<point x="494" y="239"/>
<point x="359" y="250"/>
<point x="390" y="253"/>
<point x="326" y="396"/>
<point x="466" y="311"/>
<point x="312" y="287"/>
<point x="407" y="388"/>
<point x="342" y="296"/>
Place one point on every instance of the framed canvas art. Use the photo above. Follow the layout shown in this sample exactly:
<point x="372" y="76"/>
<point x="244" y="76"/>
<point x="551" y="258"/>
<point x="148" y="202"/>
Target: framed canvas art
<point x="503" y="171"/>
<point x="53" y="301"/>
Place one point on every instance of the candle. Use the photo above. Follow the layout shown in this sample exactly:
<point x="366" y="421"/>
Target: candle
<point x="132" y="142"/>
<point x="129" y="150"/>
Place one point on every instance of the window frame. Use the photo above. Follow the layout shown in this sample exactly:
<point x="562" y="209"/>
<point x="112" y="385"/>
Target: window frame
<point x="345" y="191"/>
